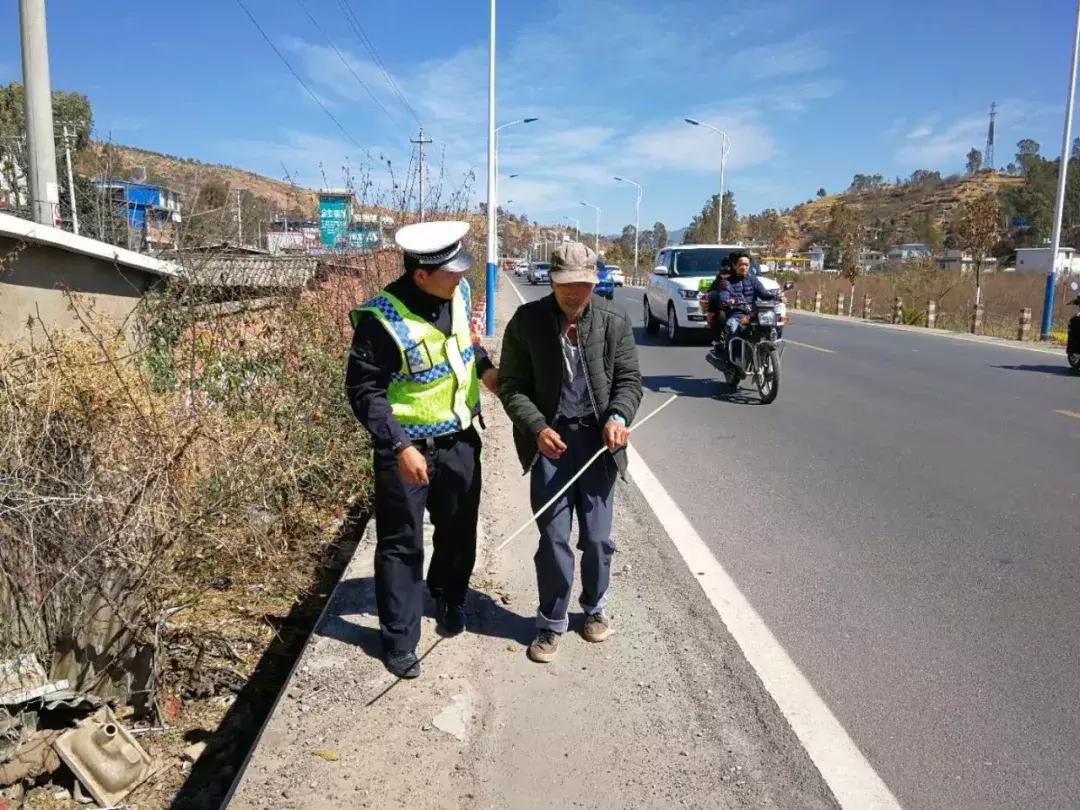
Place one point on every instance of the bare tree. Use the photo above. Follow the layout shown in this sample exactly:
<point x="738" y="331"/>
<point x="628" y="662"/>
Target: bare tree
<point x="978" y="228"/>
<point x="846" y="234"/>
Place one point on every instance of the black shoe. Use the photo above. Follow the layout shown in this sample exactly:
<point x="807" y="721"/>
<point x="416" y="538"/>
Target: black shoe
<point x="404" y="665"/>
<point x="450" y="618"/>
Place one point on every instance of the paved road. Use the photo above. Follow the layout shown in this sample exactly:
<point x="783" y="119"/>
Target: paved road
<point x="904" y="518"/>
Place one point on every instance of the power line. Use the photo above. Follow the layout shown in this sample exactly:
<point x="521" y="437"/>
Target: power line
<point x="345" y="62"/>
<point x="296" y="75"/>
<point x="358" y="28"/>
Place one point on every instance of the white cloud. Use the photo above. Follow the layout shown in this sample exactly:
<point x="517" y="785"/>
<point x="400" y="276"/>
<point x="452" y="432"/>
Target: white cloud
<point x="689" y="148"/>
<point x="928" y="146"/>
<point x="804" y="53"/>
<point x="603" y="102"/>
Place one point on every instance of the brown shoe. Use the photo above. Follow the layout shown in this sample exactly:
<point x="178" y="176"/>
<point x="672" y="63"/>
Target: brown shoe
<point x="597" y="627"/>
<point x="544" y="647"/>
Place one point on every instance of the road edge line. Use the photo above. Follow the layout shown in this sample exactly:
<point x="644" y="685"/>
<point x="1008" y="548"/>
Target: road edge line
<point x="845" y="769"/>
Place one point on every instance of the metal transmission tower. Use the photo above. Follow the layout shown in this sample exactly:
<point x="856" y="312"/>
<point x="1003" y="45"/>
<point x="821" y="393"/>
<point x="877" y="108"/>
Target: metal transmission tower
<point x="988" y="153"/>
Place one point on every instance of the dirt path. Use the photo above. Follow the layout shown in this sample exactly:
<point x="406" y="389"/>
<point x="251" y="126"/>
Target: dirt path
<point x="665" y="714"/>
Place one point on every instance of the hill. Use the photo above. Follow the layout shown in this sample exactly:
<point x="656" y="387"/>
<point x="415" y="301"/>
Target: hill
<point x="189" y="176"/>
<point x="898" y="211"/>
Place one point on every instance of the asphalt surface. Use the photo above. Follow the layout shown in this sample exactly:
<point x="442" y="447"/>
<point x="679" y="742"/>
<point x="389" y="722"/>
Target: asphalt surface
<point x="903" y="517"/>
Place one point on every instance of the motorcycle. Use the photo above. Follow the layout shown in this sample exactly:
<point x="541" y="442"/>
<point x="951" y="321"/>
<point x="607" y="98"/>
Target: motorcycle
<point x="755" y="351"/>
<point x="1072" y="344"/>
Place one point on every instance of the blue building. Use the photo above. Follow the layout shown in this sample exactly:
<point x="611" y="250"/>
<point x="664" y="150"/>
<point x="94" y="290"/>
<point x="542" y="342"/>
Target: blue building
<point x="152" y="212"/>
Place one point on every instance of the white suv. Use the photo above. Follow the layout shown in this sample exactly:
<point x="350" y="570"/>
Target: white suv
<point x="671" y="292"/>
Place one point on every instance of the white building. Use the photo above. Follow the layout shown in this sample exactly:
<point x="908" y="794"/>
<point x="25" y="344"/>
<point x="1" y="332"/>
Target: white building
<point x="1037" y="260"/>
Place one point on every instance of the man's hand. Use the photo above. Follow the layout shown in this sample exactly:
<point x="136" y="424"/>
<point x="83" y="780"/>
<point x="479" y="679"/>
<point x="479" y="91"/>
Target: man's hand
<point x="413" y="467"/>
<point x="550" y="444"/>
<point x="616" y="435"/>
<point x="490" y="379"/>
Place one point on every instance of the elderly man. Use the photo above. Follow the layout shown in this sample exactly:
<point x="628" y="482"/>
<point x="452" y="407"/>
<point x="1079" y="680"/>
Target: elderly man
<point x="569" y="381"/>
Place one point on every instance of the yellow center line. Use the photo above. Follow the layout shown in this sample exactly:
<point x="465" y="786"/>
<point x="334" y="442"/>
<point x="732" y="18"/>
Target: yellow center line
<point x="808" y="346"/>
<point x="1073" y="414"/>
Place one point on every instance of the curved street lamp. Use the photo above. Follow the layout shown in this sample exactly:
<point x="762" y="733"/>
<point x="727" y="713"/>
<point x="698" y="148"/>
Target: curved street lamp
<point x="725" y="147"/>
<point x="597" y="207"/>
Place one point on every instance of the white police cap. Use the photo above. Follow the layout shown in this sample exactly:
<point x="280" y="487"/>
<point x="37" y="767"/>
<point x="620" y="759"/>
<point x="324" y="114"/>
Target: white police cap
<point x="436" y="245"/>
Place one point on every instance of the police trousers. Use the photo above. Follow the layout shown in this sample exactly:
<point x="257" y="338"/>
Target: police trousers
<point x="452" y="499"/>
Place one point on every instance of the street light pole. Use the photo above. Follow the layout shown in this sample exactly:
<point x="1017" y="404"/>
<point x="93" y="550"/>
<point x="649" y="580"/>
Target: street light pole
<point x="491" y="191"/>
<point x="499" y="129"/>
<point x="597" y="208"/>
<point x="1059" y="205"/>
<point x="725" y="147"/>
<point x="37" y="103"/>
<point x="637" y="219"/>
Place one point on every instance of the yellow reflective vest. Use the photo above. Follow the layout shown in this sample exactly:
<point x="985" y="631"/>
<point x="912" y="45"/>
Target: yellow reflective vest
<point x="436" y="391"/>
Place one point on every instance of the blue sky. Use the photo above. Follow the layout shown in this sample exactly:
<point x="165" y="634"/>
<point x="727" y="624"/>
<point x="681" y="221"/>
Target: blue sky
<point x="810" y="91"/>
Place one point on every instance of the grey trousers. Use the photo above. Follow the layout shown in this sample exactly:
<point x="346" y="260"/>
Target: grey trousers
<point x="591" y="499"/>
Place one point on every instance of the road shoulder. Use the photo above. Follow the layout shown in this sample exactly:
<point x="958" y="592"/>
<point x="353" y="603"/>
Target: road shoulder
<point x="666" y="713"/>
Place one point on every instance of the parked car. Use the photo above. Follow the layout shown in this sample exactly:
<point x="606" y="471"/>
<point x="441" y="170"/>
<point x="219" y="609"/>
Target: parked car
<point x="672" y="289"/>
<point x="616" y="275"/>
<point x="538" y="273"/>
<point x="605" y="287"/>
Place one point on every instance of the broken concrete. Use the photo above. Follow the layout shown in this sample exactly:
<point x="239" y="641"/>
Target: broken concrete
<point x="454" y="719"/>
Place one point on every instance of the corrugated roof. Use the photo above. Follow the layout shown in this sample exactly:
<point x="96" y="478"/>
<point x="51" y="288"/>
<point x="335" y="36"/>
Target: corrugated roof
<point x="276" y="272"/>
<point x="25" y="230"/>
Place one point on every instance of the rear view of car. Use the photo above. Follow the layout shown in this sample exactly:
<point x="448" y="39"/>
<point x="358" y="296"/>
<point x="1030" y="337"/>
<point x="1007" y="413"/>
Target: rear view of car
<point x="617" y="277"/>
<point x="538" y="273"/>
<point x="605" y="287"/>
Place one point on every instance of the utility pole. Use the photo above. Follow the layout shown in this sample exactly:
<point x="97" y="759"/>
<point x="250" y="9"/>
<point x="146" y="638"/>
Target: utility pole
<point x="239" y="221"/>
<point x="68" y="137"/>
<point x="420" y="141"/>
<point x="37" y="95"/>
<point x="492" y="246"/>
<point x="1059" y="205"/>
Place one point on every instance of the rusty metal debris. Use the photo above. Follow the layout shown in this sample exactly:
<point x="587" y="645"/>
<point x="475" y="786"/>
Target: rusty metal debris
<point x="104" y="756"/>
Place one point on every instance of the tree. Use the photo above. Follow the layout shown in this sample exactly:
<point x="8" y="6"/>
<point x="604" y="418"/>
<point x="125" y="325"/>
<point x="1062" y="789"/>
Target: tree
<point x="846" y="238"/>
<point x="659" y="235"/>
<point x="974" y="161"/>
<point x="1027" y="155"/>
<point x="1074" y="153"/>
<point x="821" y="193"/>
<point x="978" y="229"/>
<point x="70" y="109"/>
<point x="926" y="230"/>
<point x="731" y="217"/>
<point x="767" y="228"/>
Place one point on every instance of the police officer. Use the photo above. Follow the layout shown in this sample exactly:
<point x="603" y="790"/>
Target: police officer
<point x="413" y="381"/>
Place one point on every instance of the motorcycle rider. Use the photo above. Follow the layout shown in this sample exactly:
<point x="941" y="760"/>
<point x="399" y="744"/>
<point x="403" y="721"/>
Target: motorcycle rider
<point x="732" y="299"/>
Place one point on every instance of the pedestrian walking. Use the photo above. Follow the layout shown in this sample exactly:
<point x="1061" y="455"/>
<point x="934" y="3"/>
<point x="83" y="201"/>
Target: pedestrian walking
<point x="569" y="381"/>
<point x="412" y="379"/>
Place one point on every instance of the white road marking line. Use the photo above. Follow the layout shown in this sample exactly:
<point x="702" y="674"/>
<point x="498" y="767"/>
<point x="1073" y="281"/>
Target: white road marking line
<point x="847" y="772"/>
<point x="1073" y="414"/>
<point x="514" y="287"/>
<point x="808" y="346"/>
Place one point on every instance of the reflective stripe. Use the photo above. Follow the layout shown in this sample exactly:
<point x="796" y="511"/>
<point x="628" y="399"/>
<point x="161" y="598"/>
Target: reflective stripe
<point x="435" y="392"/>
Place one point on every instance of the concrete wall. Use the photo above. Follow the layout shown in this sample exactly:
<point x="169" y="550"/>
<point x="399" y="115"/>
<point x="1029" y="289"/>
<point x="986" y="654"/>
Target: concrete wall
<point x="34" y="280"/>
